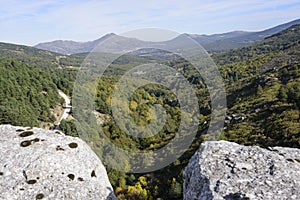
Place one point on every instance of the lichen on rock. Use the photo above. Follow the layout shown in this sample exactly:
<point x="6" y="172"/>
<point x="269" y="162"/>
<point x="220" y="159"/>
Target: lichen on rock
<point x="40" y="164"/>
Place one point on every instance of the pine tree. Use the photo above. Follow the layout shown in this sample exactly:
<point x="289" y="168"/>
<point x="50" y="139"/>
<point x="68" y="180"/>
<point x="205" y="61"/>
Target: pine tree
<point x="282" y="94"/>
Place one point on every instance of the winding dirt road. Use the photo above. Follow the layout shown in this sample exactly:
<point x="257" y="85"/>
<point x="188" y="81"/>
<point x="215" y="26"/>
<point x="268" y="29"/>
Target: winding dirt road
<point x="67" y="108"/>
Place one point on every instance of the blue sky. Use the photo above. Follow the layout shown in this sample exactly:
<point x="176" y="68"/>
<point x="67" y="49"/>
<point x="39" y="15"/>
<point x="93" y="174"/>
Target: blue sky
<point x="32" y="21"/>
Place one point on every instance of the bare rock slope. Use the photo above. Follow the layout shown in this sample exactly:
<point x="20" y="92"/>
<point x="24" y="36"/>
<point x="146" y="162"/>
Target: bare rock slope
<point x="39" y="164"/>
<point x="226" y="170"/>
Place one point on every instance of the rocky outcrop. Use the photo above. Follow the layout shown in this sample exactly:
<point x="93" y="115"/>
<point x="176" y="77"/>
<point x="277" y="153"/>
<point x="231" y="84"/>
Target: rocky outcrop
<point x="225" y="170"/>
<point x="39" y="164"/>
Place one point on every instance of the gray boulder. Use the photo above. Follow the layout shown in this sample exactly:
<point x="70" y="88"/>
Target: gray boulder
<point x="226" y="170"/>
<point x="40" y="164"/>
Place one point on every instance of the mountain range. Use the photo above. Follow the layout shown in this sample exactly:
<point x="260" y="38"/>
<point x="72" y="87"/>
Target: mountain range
<point x="212" y="43"/>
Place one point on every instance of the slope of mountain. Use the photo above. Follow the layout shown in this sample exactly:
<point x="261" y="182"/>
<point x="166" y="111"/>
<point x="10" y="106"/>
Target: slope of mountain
<point x="206" y="39"/>
<point x="29" y="81"/>
<point x="40" y="58"/>
<point x="212" y="43"/>
<point x="30" y="55"/>
<point x="245" y="38"/>
<point x="71" y="47"/>
<point x="281" y="41"/>
<point x="263" y="87"/>
<point x="27" y="94"/>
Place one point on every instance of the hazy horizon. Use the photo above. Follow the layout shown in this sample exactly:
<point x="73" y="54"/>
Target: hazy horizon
<point x="33" y="22"/>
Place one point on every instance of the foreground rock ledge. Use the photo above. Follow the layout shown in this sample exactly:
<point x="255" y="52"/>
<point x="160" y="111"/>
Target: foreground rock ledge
<point x="39" y="164"/>
<point x="225" y="170"/>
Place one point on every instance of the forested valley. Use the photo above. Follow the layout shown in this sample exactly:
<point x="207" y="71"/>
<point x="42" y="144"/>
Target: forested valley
<point x="263" y="95"/>
<point x="263" y="99"/>
<point x="30" y="79"/>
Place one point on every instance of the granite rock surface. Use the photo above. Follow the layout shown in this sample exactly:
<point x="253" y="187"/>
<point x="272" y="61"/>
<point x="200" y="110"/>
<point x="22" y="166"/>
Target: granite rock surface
<point x="40" y="164"/>
<point x="226" y="170"/>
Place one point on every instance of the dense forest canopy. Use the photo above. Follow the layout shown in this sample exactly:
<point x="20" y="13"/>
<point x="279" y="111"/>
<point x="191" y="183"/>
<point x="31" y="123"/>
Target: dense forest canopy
<point x="27" y="94"/>
<point x="41" y="74"/>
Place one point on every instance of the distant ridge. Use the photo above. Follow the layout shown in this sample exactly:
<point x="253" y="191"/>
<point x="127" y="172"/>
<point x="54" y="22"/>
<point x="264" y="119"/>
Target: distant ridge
<point x="245" y="38"/>
<point x="71" y="47"/>
<point x="212" y="43"/>
<point x="206" y="39"/>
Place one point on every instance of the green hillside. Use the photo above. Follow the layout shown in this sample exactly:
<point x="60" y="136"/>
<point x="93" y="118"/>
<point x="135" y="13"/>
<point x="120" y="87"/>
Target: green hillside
<point x="263" y="86"/>
<point x="245" y="39"/>
<point x="40" y="58"/>
<point x="29" y="55"/>
<point x="282" y="41"/>
<point x="27" y="94"/>
<point x="30" y="79"/>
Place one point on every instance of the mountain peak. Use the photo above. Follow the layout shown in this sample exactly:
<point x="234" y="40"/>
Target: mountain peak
<point x="212" y="43"/>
